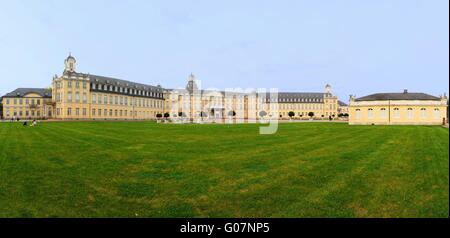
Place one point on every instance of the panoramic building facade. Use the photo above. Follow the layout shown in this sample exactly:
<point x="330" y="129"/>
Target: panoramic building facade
<point x="398" y="108"/>
<point x="80" y="96"/>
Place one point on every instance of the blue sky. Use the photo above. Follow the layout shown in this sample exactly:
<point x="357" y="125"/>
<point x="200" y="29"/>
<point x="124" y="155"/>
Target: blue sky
<point x="359" y="47"/>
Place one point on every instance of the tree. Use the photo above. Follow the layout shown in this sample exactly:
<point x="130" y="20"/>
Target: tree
<point x="166" y="115"/>
<point x="181" y="114"/>
<point x="232" y="113"/>
<point x="159" y="115"/>
<point x="262" y="114"/>
<point x="1" y="109"/>
<point x="291" y="114"/>
<point x="345" y="114"/>
<point x="340" y="115"/>
<point x="311" y="114"/>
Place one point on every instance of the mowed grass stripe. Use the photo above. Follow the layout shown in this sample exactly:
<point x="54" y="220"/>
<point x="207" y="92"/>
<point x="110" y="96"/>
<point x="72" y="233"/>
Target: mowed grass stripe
<point x="144" y="169"/>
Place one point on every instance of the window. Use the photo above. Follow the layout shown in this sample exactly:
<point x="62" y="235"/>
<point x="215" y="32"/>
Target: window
<point x="69" y="84"/>
<point x="396" y="112"/>
<point x="105" y="112"/>
<point x="110" y="112"/>
<point x="84" y="111"/>
<point x="84" y="85"/>
<point x="105" y="99"/>
<point x="38" y="102"/>
<point x="21" y="101"/>
<point x="370" y="113"/>
<point x="69" y="97"/>
<point x="84" y="98"/>
<point x="94" y="98"/>
<point x="77" y="84"/>
<point x="77" y="97"/>
<point x="436" y="113"/>
<point x="93" y="112"/>
<point x="7" y="101"/>
<point x="383" y="113"/>
<point x="110" y="99"/>
<point x="99" y="112"/>
<point x="77" y="111"/>
<point x="423" y="113"/>
<point x="69" y="111"/>
<point x="409" y="113"/>
<point x="357" y="114"/>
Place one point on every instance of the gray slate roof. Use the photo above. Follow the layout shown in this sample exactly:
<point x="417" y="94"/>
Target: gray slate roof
<point x="398" y="96"/>
<point x="116" y="82"/>
<point x="20" y="92"/>
<point x="342" y="104"/>
<point x="299" y="97"/>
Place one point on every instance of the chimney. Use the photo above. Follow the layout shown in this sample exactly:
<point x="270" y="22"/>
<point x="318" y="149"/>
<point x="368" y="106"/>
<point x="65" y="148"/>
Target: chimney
<point x="405" y="91"/>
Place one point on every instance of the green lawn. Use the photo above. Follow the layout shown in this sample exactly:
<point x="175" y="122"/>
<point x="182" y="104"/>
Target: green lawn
<point x="144" y="169"/>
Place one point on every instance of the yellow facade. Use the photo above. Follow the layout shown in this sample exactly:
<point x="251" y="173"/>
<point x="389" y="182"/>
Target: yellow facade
<point x="80" y="96"/>
<point x="27" y="104"/>
<point x="400" y="112"/>
<point x="75" y="100"/>
<point x="248" y="106"/>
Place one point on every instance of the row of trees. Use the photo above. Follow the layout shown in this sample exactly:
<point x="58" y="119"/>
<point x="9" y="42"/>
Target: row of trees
<point x="233" y="113"/>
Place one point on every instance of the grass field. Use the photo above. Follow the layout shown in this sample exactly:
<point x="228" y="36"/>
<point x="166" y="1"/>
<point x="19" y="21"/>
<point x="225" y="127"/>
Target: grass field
<point x="144" y="169"/>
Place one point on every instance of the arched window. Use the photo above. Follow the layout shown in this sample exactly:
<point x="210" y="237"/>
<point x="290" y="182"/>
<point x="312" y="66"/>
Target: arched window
<point x="396" y="112"/>
<point x="410" y="113"/>
<point x="423" y="113"/>
<point x="370" y="113"/>
<point x="436" y="113"/>
<point x="357" y="114"/>
<point x="383" y="113"/>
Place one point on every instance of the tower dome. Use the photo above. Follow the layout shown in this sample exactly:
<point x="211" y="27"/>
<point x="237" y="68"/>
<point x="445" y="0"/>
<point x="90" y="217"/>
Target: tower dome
<point x="192" y="84"/>
<point x="69" y="63"/>
<point x="327" y="88"/>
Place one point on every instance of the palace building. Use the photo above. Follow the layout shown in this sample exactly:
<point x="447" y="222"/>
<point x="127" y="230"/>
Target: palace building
<point x="398" y="108"/>
<point x="81" y="96"/>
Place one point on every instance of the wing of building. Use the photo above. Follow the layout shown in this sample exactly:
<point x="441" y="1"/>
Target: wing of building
<point x="29" y="103"/>
<point x="398" y="108"/>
